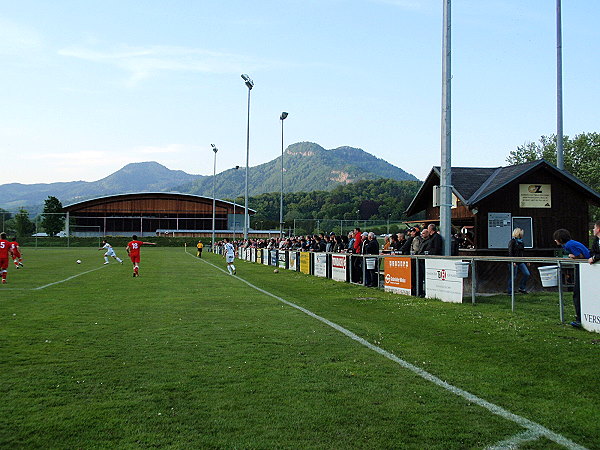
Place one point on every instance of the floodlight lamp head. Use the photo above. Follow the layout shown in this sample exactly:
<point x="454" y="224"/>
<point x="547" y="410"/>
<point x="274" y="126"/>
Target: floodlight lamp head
<point x="283" y="116"/>
<point x="248" y="81"/>
<point x="214" y="148"/>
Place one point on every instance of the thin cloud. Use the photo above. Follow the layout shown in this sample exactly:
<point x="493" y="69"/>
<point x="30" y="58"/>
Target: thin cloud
<point x="412" y="5"/>
<point x="16" y="39"/>
<point x="144" y="62"/>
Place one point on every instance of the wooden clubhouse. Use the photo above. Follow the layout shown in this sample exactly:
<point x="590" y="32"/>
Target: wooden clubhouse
<point x="488" y="203"/>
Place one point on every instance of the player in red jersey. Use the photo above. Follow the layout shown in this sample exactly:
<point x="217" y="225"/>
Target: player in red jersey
<point x="16" y="253"/>
<point x="133" y="250"/>
<point x="4" y="251"/>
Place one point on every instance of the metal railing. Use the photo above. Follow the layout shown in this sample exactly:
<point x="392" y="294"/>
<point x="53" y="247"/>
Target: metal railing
<point x="358" y="263"/>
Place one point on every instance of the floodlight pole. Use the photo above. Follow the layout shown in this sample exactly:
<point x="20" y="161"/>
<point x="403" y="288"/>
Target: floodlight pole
<point x="446" y="154"/>
<point x="560" y="161"/>
<point x="215" y="150"/>
<point x="249" y="84"/>
<point x="282" y="118"/>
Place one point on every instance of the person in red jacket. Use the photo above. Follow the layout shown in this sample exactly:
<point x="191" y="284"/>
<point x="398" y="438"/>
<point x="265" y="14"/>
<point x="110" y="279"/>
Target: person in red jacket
<point x="4" y="251"/>
<point x="16" y="253"/>
<point x="133" y="250"/>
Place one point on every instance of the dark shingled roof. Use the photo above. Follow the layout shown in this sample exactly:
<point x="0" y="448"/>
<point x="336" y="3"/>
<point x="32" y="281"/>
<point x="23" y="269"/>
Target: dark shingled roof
<point x="473" y="184"/>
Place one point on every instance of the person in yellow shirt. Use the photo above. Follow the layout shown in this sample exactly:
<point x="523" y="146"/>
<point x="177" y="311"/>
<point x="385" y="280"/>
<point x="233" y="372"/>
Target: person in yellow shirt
<point x="199" y="246"/>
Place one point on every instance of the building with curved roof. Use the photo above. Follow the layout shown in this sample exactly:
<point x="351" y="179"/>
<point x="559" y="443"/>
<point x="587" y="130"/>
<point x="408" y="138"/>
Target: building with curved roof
<point x="153" y="213"/>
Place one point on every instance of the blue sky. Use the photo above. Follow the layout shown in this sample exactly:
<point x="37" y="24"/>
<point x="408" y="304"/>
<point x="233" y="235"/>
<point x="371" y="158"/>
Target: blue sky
<point x="89" y="86"/>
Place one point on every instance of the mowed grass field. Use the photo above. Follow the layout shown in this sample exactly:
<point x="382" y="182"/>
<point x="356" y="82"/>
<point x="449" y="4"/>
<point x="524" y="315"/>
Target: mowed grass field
<point x="186" y="356"/>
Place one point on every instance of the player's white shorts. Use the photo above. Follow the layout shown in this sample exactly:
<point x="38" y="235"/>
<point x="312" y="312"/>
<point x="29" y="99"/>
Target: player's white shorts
<point x="110" y="252"/>
<point x="229" y="258"/>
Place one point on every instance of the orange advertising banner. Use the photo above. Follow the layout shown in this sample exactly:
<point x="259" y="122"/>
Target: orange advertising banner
<point x="397" y="273"/>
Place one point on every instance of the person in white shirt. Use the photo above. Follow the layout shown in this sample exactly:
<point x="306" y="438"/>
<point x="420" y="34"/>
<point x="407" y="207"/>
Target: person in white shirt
<point x="229" y="256"/>
<point x="109" y="252"/>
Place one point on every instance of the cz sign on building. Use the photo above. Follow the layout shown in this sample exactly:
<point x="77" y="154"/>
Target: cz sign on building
<point x="535" y="196"/>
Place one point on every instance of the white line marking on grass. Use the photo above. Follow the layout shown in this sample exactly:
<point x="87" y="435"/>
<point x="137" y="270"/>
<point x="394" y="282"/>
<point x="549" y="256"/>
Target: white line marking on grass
<point x="532" y="427"/>
<point x="515" y="441"/>
<point x="66" y="279"/>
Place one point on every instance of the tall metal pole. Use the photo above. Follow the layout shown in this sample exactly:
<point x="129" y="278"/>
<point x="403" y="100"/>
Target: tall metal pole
<point x="446" y="155"/>
<point x="246" y="224"/>
<point x="234" y="219"/>
<point x="215" y="150"/>
<point x="249" y="85"/>
<point x="560" y="161"/>
<point x="282" y="118"/>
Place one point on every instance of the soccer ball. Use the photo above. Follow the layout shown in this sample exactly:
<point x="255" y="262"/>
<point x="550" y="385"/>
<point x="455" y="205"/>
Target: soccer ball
<point x="276" y="271"/>
<point x="78" y="261"/>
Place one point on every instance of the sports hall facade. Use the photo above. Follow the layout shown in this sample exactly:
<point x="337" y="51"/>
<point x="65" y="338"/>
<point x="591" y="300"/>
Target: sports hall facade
<point x="152" y="214"/>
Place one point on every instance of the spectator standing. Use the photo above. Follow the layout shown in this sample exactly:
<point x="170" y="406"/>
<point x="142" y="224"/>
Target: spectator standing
<point x="395" y="244"/>
<point x="405" y="249"/>
<point x="357" y="240"/>
<point x="415" y="245"/>
<point x="400" y="241"/>
<point x="516" y="248"/>
<point x="387" y="245"/>
<point x="576" y="251"/>
<point x="371" y="248"/>
<point x="423" y="250"/>
<point x="436" y="243"/>
<point x="595" y="253"/>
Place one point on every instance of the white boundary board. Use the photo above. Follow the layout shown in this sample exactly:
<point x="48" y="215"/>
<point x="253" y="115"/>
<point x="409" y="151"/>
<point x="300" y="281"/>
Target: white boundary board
<point x="589" y="276"/>
<point x="320" y="264"/>
<point x="339" y="267"/>
<point x="441" y="281"/>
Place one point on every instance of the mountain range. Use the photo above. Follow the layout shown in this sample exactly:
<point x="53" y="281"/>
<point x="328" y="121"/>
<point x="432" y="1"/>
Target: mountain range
<point x="307" y="167"/>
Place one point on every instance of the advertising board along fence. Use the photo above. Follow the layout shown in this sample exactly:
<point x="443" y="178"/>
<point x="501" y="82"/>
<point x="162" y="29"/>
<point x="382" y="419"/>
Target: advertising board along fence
<point x="443" y="269"/>
<point x="293" y="260"/>
<point x="339" y="267"/>
<point x="320" y="264"/>
<point x="397" y="275"/>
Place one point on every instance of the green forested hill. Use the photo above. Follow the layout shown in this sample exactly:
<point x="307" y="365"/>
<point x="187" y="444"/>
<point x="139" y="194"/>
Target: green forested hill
<point x="366" y="200"/>
<point x="307" y="167"/>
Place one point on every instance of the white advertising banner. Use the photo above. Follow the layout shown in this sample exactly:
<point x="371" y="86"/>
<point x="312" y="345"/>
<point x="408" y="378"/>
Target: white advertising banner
<point x="320" y="264"/>
<point x="441" y="281"/>
<point x="282" y="256"/>
<point x="242" y="253"/>
<point x="292" y="257"/>
<point x="265" y="257"/>
<point x="253" y="255"/>
<point x="339" y="267"/>
<point x="589" y="274"/>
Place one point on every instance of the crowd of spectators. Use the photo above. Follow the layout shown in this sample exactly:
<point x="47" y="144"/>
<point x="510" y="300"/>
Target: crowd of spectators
<point x="415" y="240"/>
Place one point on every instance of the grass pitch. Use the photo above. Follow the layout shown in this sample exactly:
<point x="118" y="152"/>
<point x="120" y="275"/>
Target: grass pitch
<point x="186" y="356"/>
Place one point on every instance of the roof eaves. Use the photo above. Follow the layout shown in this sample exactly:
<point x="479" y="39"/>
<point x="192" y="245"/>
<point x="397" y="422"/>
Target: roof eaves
<point x="474" y="198"/>
<point x="527" y="168"/>
<point x="417" y="196"/>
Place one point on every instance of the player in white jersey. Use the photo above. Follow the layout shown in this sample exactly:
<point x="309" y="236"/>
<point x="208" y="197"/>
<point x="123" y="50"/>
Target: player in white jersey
<point x="109" y="252"/>
<point x="229" y="256"/>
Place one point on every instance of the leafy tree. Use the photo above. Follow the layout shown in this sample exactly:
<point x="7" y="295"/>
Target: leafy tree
<point x="581" y="157"/>
<point x="53" y="222"/>
<point x="376" y="199"/>
<point x="4" y="216"/>
<point x="22" y="225"/>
